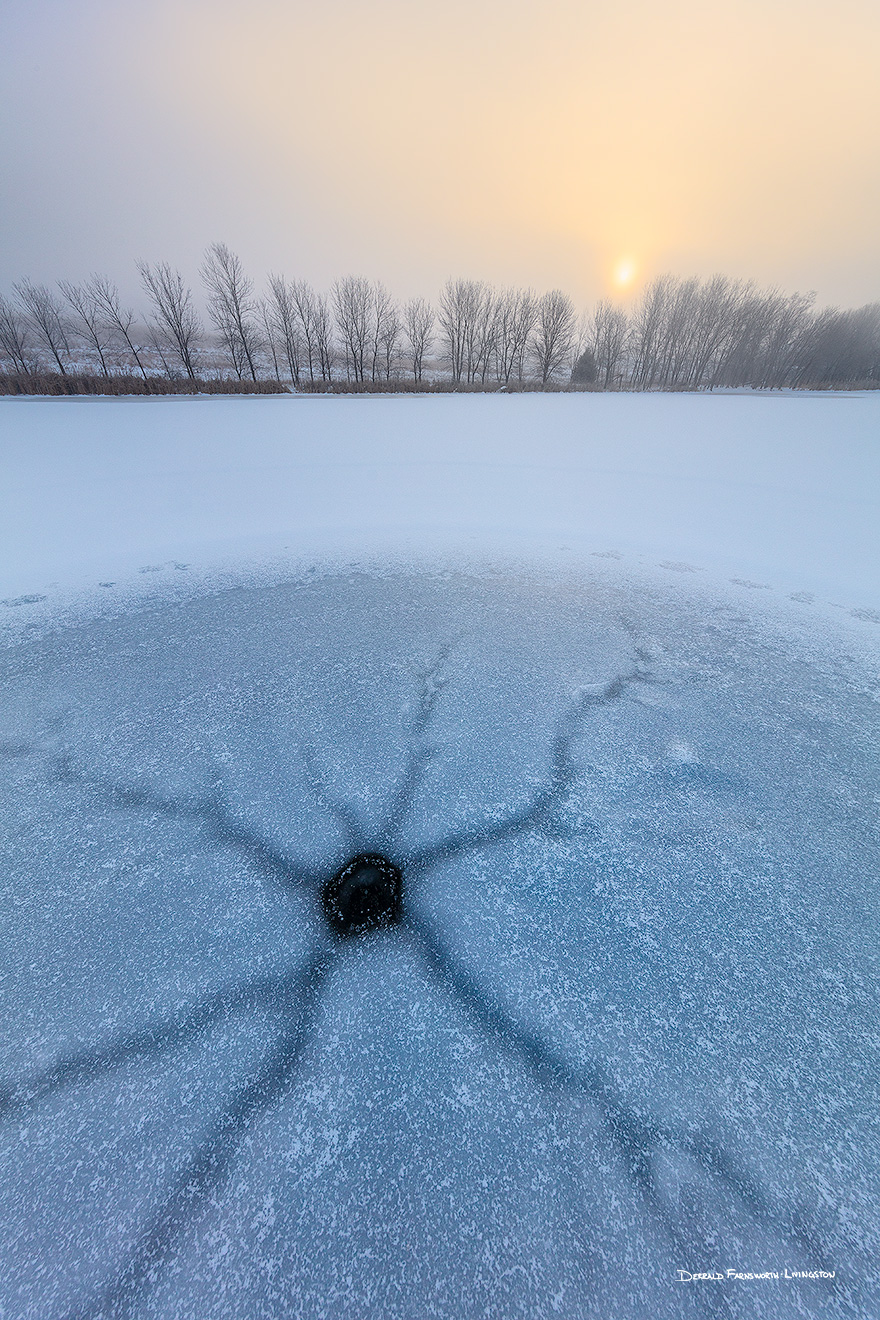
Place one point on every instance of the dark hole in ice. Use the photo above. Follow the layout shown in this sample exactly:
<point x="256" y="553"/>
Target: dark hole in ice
<point x="366" y="894"/>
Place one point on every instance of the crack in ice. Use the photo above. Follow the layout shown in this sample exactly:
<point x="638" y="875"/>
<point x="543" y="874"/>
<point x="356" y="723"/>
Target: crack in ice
<point x="640" y="1141"/>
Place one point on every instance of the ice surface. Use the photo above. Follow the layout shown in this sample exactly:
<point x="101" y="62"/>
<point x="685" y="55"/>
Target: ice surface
<point x="774" y="491"/>
<point x="606" y="692"/>
<point x="628" y="1026"/>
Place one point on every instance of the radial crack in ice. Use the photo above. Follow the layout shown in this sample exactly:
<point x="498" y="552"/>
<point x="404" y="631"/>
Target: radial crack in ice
<point x="650" y="1152"/>
<point x="639" y="1140"/>
<point x="208" y="1168"/>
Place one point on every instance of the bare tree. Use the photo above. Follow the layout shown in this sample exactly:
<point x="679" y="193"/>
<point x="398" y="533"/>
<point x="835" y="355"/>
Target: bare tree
<point x="271" y="341"/>
<point x="839" y="348"/>
<point x="516" y="313"/>
<point x="462" y="314"/>
<point x="790" y="319"/>
<point x="676" y="333"/>
<point x="698" y="321"/>
<point x="282" y="312"/>
<point x="232" y="307"/>
<point x="418" y="320"/>
<point x="739" y="362"/>
<point x="311" y="329"/>
<point x="769" y="330"/>
<point x="176" y="322"/>
<point x="305" y="304"/>
<point x="713" y="327"/>
<point x="47" y="320"/>
<point x="452" y="315"/>
<point x="683" y="334"/>
<point x="14" y="344"/>
<point x="160" y="346"/>
<point x="607" y="336"/>
<point x="647" y="332"/>
<point x="353" y="301"/>
<point x="385" y="332"/>
<point x="688" y="334"/>
<point x="390" y="332"/>
<point x="485" y="347"/>
<point x="479" y="330"/>
<point x="119" y="320"/>
<point x="89" y="323"/>
<point x="323" y="329"/>
<point x="554" y="333"/>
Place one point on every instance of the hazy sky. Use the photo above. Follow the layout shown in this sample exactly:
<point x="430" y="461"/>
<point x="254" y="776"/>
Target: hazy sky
<point x="544" y="143"/>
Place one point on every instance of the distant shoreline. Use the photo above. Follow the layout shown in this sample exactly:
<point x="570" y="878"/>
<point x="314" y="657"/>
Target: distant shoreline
<point x="83" y="384"/>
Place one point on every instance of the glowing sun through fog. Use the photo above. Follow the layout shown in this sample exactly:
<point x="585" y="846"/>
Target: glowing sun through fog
<point x="624" y="273"/>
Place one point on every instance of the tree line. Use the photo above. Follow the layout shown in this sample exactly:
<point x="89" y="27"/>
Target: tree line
<point x="686" y="334"/>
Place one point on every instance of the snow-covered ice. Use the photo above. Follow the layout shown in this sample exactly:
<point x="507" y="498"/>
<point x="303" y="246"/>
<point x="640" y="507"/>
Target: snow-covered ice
<point x="779" y="491"/>
<point x="627" y="1026"/>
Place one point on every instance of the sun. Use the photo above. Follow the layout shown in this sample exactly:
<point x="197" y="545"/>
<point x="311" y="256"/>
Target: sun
<point x="624" y="272"/>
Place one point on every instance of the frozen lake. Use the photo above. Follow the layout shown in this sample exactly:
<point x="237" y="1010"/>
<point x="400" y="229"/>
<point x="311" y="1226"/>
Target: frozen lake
<point x="595" y="678"/>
